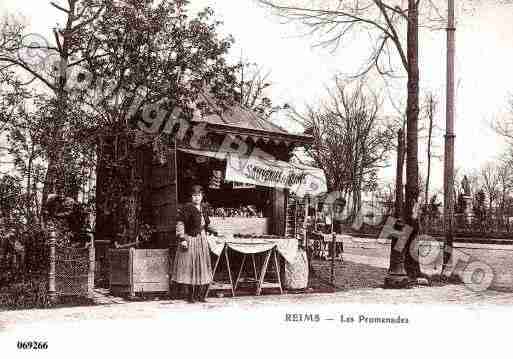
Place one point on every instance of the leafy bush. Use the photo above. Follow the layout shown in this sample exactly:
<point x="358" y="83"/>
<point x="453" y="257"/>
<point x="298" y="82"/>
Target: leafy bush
<point x="25" y="293"/>
<point x="36" y="251"/>
<point x="29" y="292"/>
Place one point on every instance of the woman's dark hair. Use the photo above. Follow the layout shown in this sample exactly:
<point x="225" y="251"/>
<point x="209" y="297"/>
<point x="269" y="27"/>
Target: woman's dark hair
<point x="195" y="189"/>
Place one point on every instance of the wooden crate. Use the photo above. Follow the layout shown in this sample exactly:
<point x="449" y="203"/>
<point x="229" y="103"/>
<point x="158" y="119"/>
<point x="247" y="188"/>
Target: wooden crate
<point x="241" y="225"/>
<point x="135" y="271"/>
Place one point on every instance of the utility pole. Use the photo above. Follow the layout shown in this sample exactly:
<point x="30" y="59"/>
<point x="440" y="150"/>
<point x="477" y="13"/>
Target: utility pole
<point x="449" y="139"/>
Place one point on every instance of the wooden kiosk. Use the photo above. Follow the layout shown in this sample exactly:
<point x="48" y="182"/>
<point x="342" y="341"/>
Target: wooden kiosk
<point x="143" y="179"/>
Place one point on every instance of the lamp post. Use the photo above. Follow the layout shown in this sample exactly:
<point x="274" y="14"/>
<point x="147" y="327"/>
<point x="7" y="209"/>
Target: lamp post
<point x="333" y="245"/>
<point x="52" y="294"/>
<point x="305" y="226"/>
<point x="449" y="139"/>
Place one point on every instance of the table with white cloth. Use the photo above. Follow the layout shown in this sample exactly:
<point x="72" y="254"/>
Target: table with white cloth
<point x="266" y="246"/>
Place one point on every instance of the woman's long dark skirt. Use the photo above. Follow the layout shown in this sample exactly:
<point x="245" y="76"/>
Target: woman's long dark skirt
<point x="193" y="265"/>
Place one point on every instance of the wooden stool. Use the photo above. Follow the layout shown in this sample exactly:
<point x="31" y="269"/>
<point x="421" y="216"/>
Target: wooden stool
<point x="259" y="278"/>
<point x="222" y="285"/>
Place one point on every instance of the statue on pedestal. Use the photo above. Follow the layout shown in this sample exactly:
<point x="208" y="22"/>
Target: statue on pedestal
<point x="467" y="199"/>
<point x="465" y="185"/>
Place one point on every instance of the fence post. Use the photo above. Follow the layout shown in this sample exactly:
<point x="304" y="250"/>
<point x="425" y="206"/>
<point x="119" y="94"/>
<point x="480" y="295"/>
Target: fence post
<point x="333" y="247"/>
<point x="52" y="294"/>
<point x="90" y="277"/>
<point x="305" y="229"/>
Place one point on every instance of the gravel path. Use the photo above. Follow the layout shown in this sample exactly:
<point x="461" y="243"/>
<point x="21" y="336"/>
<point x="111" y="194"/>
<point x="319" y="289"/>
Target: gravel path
<point x="449" y="294"/>
<point x="359" y="280"/>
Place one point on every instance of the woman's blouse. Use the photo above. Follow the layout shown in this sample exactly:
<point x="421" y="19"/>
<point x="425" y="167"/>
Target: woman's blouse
<point x="191" y="221"/>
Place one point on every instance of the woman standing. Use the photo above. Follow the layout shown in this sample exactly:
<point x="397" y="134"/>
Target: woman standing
<point x="192" y="265"/>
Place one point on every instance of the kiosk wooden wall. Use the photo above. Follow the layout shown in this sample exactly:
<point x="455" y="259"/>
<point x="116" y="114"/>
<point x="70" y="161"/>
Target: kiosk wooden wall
<point x="163" y="194"/>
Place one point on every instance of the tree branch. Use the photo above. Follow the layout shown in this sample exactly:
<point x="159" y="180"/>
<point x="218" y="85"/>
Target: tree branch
<point x="57" y="40"/>
<point x="59" y="7"/>
<point x="82" y="24"/>
<point x="394" y="36"/>
<point x="28" y="69"/>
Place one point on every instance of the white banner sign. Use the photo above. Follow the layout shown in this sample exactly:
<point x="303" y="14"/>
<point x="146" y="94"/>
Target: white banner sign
<point x="299" y="179"/>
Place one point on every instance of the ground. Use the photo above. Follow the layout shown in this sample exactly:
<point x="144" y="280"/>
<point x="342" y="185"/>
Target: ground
<point x="359" y="279"/>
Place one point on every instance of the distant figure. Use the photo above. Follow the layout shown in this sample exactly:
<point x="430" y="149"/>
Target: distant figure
<point x="338" y="214"/>
<point x="465" y="185"/>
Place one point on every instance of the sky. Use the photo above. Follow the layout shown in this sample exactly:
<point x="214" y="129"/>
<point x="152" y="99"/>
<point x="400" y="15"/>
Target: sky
<point x="300" y="72"/>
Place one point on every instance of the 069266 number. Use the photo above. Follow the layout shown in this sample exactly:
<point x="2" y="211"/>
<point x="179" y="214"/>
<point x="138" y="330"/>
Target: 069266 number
<point x="32" y="345"/>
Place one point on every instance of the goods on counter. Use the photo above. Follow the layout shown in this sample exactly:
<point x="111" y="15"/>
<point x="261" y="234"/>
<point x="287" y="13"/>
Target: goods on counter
<point x="260" y="236"/>
<point x="242" y="211"/>
<point x="240" y="185"/>
<point x="216" y="179"/>
<point x="242" y="225"/>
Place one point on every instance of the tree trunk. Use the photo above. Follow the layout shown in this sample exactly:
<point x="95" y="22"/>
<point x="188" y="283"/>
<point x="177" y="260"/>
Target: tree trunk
<point x="399" y="175"/>
<point x="37" y="207"/>
<point x="28" y="203"/>
<point x="412" y="113"/>
<point x="55" y="179"/>
<point x="430" y="134"/>
<point x="360" y="182"/>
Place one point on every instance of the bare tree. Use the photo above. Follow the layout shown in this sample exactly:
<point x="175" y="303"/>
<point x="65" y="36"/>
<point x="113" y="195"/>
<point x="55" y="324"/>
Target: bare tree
<point x="491" y="183"/>
<point x="505" y="177"/>
<point x="351" y="141"/>
<point x="254" y="84"/>
<point x="385" y="195"/>
<point x="504" y="127"/>
<point x="393" y="27"/>
<point x="430" y="111"/>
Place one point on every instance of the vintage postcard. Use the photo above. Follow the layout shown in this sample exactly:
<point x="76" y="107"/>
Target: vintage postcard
<point x="255" y="178"/>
